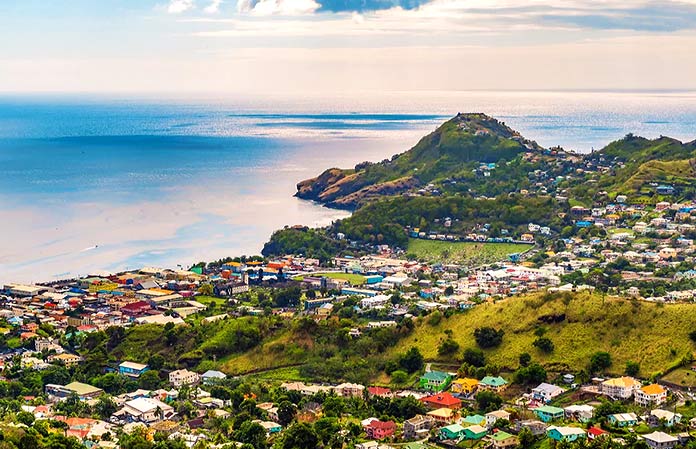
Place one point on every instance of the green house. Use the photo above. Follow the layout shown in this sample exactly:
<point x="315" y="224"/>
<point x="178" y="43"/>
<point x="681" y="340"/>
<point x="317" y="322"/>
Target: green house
<point x="493" y="383"/>
<point x="451" y="432"/>
<point x="435" y="381"/>
<point x="475" y="432"/>
<point x="548" y="413"/>
<point x="474" y="420"/>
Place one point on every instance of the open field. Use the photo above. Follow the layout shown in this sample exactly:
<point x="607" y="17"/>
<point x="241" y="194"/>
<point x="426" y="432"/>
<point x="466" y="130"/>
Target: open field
<point x="684" y="377"/>
<point x="654" y="335"/>
<point x="354" y="279"/>
<point x="468" y="253"/>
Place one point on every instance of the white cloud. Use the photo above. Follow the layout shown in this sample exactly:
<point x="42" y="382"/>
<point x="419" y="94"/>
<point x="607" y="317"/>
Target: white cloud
<point x="213" y="7"/>
<point x="277" y="7"/>
<point x="179" y="6"/>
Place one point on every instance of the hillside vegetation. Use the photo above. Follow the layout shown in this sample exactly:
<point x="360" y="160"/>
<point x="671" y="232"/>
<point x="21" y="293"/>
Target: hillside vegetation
<point x="654" y="335"/>
<point x="465" y="253"/>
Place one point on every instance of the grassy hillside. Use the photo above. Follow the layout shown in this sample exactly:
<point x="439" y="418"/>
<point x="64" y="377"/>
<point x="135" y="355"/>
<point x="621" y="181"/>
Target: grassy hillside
<point x="462" y="252"/>
<point x="654" y="335"/>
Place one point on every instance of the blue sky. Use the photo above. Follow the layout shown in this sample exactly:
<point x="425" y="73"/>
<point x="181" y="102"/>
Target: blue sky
<point x="294" y="46"/>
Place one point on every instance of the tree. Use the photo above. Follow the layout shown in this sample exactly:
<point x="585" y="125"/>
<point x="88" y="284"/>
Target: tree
<point x="532" y="374"/>
<point x="526" y="438"/>
<point x="448" y="347"/>
<point x="149" y="380"/>
<point x="300" y="436"/>
<point x="474" y="357"/>
<point x="600" y="361"/>
<point x="206" y="289"/>
<point x="252" y="433"/>
<point x="286" y="413"/>
<point x="525" y="358"/>
<point x="632" y="368"/>
<point x="488" y="337"/>
<point x="105" y="407"/>
<point x="412" y="360"/>
<point x="399" y="377"/>
<point x="488" y="401"/>
<point x="544" y="344"/>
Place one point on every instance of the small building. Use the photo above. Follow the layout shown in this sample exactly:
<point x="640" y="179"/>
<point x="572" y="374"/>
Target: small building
<point x="660" y="440"/>
<point x="435" y="381"/>
<point x="620" y="387"/>
<point x="442" y="400"/>
<point x="212" y="377"/>
<point x="83" y="391"/>
<point x="495" y="416"/>
<point x="183" y="377"/>
<point x="650" y="395"/>
<point x="548" y="413"/>
<point x="568" y="434"/>
<point x="378" y="430"/>
<point x="473" y="420"/>
<point x="475" y="432"/>
<point x="580" y="412"/>
<point x="444" y="415"/>
<point x="132" y="369"/>
<point x="660" y="417"/>
<point x="623" y="419"/>
<point x="491" y="383"/>
<point x="546" y="392"/>
<point x="65" y="359"/>
<point x="418" y="427"/>
<point x="452" y="432"/>
<point x="503" y="440"/>
<point x="465" y="386"/>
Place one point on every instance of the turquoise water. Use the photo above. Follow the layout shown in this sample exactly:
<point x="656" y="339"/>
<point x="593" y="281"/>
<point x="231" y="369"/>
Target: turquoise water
<point x="92" y="184"/>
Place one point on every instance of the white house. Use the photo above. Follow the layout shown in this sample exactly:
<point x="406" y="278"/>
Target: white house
<point x="545" y="392"/>
<point x="183" y="377"/>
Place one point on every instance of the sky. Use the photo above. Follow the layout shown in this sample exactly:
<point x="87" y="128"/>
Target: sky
<point x="294" y="47"/>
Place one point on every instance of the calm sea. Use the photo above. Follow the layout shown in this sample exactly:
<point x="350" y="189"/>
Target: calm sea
<point x="90" y="184"/>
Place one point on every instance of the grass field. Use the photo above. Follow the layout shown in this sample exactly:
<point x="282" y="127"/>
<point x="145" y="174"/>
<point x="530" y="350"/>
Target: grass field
<point x="656" y="336"/>
<point x="354" y="279"/>
<point x="468" y="253"/>
<point x="682" y="376"/>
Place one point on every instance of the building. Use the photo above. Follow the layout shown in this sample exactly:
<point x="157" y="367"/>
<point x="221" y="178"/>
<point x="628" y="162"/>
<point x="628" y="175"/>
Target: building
<point x="444" y="415"/>
<point x="493" y="417"/>
<point x="132" y="369"/>
<point x="65" y="359"/>
<point x="183" y="377"/>
<point x="442" y="400"/>
<point x="418" y="427"/>
<point x="548" y="413"/>
<point x="465" y="386"/>
<point x="451" y="432"/>
<point x="650" y="395"/>
<point x="83" y="391"/>
<point x="536" y="427"/>
<point x="211" y="377"/>
<point x="620" y="387"/>
<point x="475" y="432"/>
<point x="349" y="390"/>
<point x="496" y="384"/>
<point x="503" y="440"/>
<point x="623" y="419"/>
<point x="568" y="434"/>
<point x="435" y="381"/>
<point x="378" y="430"/>
<point x="660" y="417"/>
<point x="580" y="413"/>
<point x="145" y="410"/>
<point x="545" y="392"/>
<point x="660" y="440"/>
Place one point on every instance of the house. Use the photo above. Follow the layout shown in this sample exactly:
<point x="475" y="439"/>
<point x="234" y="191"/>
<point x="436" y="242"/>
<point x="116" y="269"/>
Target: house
<point x="444" y="415"/>
<point x="212" y="377"/>
<point x="545" y="392"/>
<point x="465" y="386"/>
<point x="83" y="391"/>
<point x="419" y="426"/>
<point x="144" y="410"/>
<point x="496" y="384"/>
<point x="451" y="432"/>
<point x="547" y="413"/>
<point x="594" y="432"/>
<point x="65" y="359"/>
<point x="536" y="427"/>
<point x="378" y="430"/>
<point x="349" y="390"/>
<point x="136" y="308"/>
<point x="650" y="395"/>
<point x="660" y="417"/>
<point x="132" y="369"/>
<point x="503" y="440"/>
<point x="493" y="417"/>
<point x="620" y="387"/>
<point x="473" y="420"/>
<point x="435" y="381"/>
<point x="475" y="432"/>
<point x="623" y="419"/>
<point x="270" y="426"/>
<point x="183" y="377"/>
<point x="660" y="440"/>
<point x="580" y="413"/>
<point x="568" y="434"/>
<point x="441" y="400"/>
<point x="380" y="391"/>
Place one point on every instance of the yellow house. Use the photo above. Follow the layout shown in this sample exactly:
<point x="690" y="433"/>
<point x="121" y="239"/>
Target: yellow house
<point x="464" y="385"/>
<point x="444" y="415"/>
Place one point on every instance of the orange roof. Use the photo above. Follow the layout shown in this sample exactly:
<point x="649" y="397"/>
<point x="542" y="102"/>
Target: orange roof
<point x="653" y="389"/>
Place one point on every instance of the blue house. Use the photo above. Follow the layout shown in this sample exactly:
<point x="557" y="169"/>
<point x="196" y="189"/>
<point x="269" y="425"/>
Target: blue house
<point x="665" y="190"/>
<point x="583" y="224"/>
<point x="548" y="413"/>
<point x="132" y="369"/>
<point x="565" y="433"/>
<point x="623" y="419"/>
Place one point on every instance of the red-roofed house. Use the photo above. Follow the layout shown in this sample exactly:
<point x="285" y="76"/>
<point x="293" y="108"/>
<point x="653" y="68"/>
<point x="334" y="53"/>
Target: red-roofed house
<point x="136" y="308"/>
<point x="380" y="391"/>
<point x="594" y="432"/>
<point x="377" y="429"/>
<point x="442" y="400"/>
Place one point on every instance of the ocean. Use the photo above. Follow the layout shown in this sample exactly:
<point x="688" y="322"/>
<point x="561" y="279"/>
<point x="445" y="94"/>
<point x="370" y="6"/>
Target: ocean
<point x="90" y="184"/>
